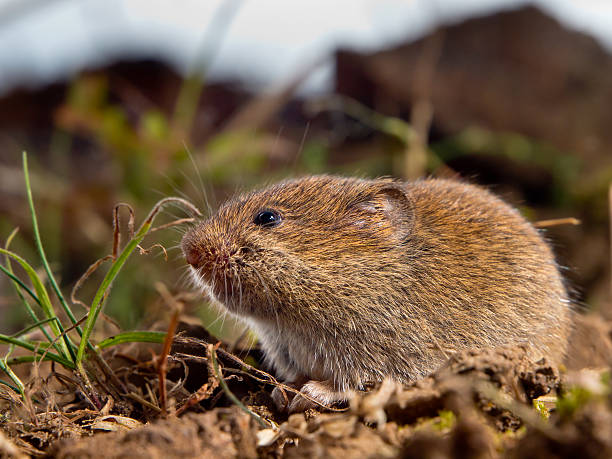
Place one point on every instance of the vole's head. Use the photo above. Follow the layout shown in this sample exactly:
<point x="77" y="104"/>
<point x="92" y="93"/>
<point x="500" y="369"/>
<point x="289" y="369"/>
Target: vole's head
<point x="294" y="243"/>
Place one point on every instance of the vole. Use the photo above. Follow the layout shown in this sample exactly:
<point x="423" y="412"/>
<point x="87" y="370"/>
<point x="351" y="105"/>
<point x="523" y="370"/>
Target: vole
<point x="347" y="281"/>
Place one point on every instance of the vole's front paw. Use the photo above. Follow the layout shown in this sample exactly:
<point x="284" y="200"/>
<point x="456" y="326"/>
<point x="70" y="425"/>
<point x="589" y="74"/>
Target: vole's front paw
<point x="322" y="392"/>
<point x="282" y="398"/>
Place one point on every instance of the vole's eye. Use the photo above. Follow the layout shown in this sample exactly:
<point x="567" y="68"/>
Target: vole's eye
<point x="267" y="218"/>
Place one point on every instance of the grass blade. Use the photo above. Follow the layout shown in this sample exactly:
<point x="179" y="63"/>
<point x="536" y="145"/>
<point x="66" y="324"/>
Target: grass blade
<point x="43" y="257"/>
<point x="101" y="295"/>
<point x="133" y="337"/>
<point x="261" y="421"/>
<point x="40" y="349"/>
<point x="20" y="389"/>
<point x="18" y="284"/>
<point x="27" y="359"/>
<point x="10" y="385"/>
<point x="38" y="324"/>
<point x="45" y="301"/>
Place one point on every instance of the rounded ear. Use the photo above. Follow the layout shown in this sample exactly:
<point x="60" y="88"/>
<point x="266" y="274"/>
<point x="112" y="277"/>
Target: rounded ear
<point x="392" y="203"/>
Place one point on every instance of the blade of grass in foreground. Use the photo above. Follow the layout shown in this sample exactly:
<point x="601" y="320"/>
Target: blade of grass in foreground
<point x="16" y="389"/>
<point x="28" y="359"/>
<point x="20" y="389"/>
<point x="39" y="348"/>
<point x="43" y="258"/>
<point x="45" y="301"/>
<point x="18" y="284"/>
<point x="29" y="328"/>
<point x="133" y="337"/>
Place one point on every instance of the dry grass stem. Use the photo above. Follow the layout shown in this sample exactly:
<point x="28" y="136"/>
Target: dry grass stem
<point x="162" y="363"/>
<point x="557" y="222"/>
<point x="180" y="221"/>
<point x="79" y="283"/>
<point x="206" y="390"/>
<point x="117" y="229"/>
<point x="144" y="251"/>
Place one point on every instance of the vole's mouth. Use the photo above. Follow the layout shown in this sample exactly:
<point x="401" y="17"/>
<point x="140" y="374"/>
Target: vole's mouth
<point x="222" y="288"/>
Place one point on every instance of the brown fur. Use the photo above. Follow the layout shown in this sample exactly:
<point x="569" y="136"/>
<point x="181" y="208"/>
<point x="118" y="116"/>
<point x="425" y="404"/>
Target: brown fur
<point x="365" y="279"/>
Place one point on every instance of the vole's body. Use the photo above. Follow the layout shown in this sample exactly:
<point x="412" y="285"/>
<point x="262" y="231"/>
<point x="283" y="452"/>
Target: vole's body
<point x="363" y="279"/>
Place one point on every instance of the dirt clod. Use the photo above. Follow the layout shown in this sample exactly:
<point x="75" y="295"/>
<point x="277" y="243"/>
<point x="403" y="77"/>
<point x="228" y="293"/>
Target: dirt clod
<point x="222" y="433"/>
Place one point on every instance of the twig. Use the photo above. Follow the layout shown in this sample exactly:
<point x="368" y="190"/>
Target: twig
<point x="79" y="283"/>
<point x="143" y="402"/>
<point x="557" y="222"/>
<point x="117" y="229"/>
<point x="86" y="275"/>
<point x="144" y="251"/>
<point x="273" y="381"/>
<point x="162" y="363"/>
<point x="106" y="369"/>
<point x="179" y="221"/>
<point x="213" y="357"/>
<point x="206" y="390"/>
<point x="267" y="378"/>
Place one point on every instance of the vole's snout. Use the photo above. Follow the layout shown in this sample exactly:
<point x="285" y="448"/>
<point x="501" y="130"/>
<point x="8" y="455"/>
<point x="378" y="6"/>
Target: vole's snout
<point x="220" y="258"/>
<point x="212" y="261"/>
<point x="193" y="257"/>
<point x="191" y="252"/>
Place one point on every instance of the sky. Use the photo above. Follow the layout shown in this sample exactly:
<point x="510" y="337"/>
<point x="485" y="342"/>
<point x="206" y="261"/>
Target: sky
<point x="260" y="42"/>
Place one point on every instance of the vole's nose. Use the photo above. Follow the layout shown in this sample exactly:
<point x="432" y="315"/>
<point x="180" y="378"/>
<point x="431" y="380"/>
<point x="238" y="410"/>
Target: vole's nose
<point x="192" y="256"/>
<point x="191" y="251"/>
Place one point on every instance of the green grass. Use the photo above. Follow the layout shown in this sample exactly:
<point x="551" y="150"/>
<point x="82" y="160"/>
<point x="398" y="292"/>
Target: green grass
<point x="66" y="343"/>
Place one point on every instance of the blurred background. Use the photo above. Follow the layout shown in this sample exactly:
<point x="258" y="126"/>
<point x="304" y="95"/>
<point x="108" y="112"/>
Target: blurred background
<point x="130" y="101"/>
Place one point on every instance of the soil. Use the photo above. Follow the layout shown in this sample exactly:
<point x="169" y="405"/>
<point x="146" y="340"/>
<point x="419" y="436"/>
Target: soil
<point x="480" y="404"/>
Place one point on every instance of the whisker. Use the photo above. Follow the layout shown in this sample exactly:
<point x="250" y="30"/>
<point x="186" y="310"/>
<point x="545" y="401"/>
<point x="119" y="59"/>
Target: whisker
<point x="195" y="169"/>
<point x="301" y="147"/>
<point x="268" y="293"/>
<point x="175" y="187"/>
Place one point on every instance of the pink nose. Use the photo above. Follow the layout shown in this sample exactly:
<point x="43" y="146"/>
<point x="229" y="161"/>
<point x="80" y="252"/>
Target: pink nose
<point x="193" y="257"/>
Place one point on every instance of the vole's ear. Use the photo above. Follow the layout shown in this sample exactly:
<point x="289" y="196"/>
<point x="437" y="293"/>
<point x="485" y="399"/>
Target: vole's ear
<point x="389" y="206"/>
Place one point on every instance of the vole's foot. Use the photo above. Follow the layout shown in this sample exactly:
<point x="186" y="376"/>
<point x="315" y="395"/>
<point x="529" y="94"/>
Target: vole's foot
<point x="312" y="392"/>
<point x="282" y="398"/>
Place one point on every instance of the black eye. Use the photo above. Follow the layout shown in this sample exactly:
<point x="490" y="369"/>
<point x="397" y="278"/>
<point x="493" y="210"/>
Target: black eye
<point x="267" y="218"/>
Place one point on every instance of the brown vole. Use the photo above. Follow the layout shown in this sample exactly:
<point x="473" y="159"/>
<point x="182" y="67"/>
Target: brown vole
<point x="347" y="281"/>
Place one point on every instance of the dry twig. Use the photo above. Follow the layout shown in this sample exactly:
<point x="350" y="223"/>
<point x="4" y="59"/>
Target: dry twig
<point x="162" y="363"/>
<point x="557" y="222"/>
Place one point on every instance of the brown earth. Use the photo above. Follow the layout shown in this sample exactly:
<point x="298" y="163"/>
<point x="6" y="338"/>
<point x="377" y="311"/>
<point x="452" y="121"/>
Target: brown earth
<point x="480" y="404"/>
